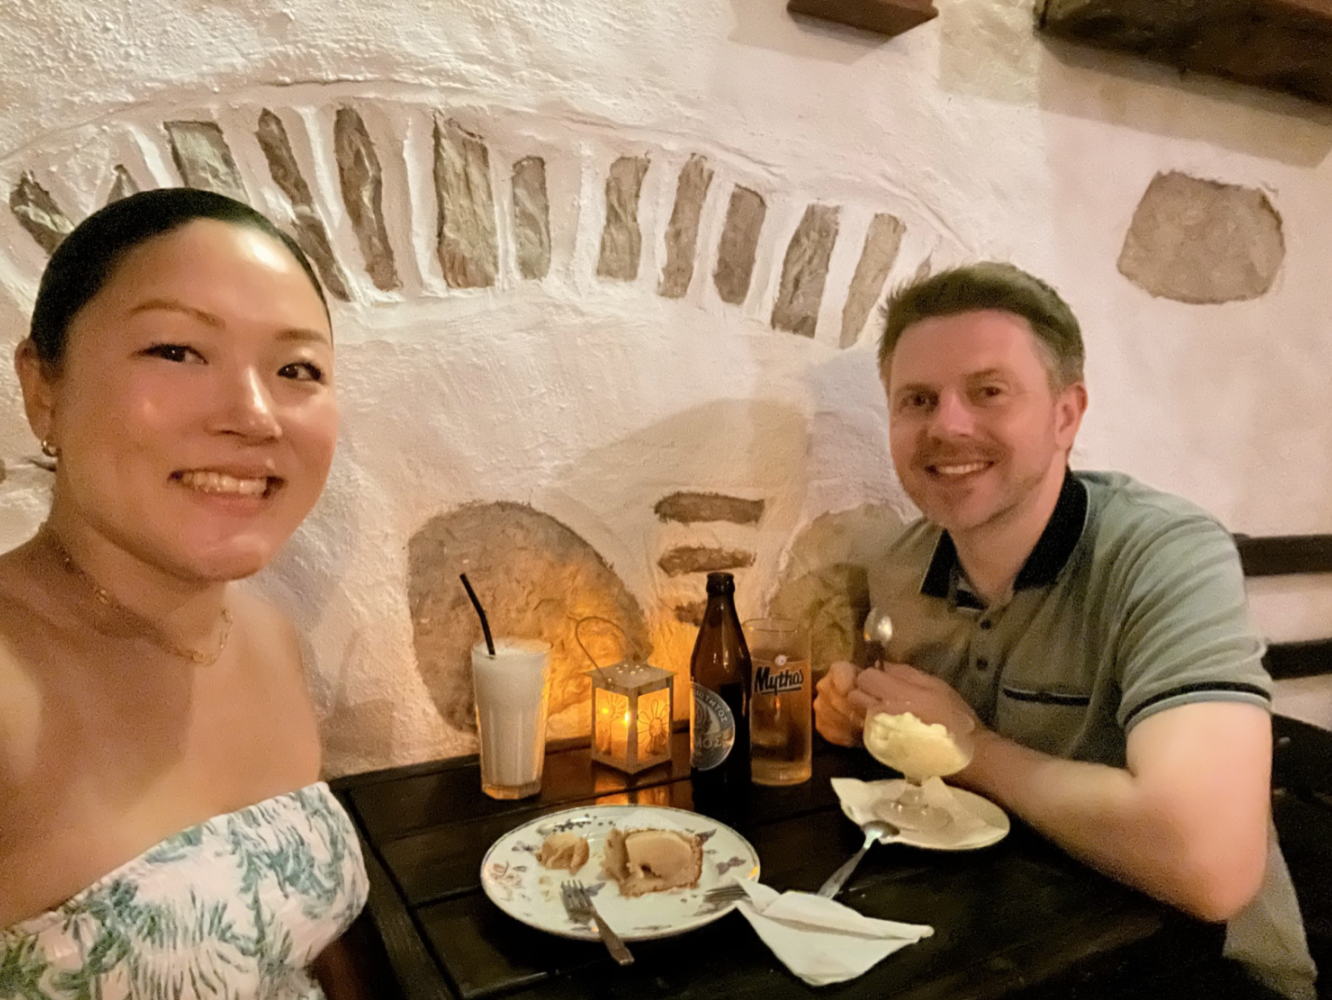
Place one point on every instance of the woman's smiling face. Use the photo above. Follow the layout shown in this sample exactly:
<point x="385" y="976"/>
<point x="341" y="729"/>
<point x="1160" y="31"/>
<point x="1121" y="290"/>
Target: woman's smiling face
<point x="194" y="408"/>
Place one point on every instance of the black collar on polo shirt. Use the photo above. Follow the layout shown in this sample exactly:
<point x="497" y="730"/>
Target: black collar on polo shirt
<point x="1047" y="558"/>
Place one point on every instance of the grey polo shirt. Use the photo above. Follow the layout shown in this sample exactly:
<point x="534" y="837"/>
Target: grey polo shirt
<point x="1131" y="602"/>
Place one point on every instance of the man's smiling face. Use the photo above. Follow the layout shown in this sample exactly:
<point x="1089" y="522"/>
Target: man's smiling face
<point x="978" y="433"/>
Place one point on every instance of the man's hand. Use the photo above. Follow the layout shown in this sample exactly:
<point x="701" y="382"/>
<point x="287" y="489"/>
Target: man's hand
<point x="1185" y="820"/>
<point x="846" y="694"/>
<point x="835" y="716"/>
<point x="896" y="682"/>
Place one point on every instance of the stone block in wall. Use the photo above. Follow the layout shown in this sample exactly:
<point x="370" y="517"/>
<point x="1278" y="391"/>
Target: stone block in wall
<point x="204" y="159"/>
<point x="691" y="613"/>
<point x="739" y="242"/>
<point x="1201" y="241"/>
<point x="468" y="245"/>
<point x="703" y="559"/>
<point x="310" y="231"/>
<point x="693" y="508"/>
<point x="825" y="582"/>
<point x="882" y="242"/>
<point x="122" y="184"/>
<point x="38" y="213"/>
<point x="805" y="271"/>
<point x="621" y="238"/>
<point x="536" y="579"/>
<point x="362" y="181"/>
<point x="691" y="190"/>
<point x="531" y="217"/>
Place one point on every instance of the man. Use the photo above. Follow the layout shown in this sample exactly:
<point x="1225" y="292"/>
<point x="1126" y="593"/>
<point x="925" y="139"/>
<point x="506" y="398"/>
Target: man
<point x="1095" y="628"/>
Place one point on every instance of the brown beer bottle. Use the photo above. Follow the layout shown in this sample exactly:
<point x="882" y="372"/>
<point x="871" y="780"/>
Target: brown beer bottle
<point x="721" y="673"/>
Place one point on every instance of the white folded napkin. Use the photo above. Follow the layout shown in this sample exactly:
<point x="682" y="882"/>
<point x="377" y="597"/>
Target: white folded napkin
<point x="861" y="800"/>
<point x="820" y="940"/>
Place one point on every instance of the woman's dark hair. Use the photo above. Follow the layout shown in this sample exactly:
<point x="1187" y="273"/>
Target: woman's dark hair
<point x="86" y="259"/>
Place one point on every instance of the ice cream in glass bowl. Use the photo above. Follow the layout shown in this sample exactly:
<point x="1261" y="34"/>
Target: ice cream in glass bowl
<point x="921" y="741"/>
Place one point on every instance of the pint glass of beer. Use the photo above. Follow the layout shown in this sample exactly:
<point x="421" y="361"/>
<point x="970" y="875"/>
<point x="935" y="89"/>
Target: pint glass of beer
<point x="780" y="719"/>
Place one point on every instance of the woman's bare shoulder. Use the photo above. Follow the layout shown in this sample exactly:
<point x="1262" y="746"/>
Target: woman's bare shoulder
<point x="265" y="627"/>
<point x="272" y="651"/>
<point x="16" y="570"/>
<point x="26" y="612"/>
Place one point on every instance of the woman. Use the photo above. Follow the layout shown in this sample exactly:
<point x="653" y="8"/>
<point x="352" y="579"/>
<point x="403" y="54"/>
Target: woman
<point x="162" y="828"/>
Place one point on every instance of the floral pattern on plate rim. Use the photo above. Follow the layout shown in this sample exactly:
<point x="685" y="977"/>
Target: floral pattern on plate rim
<point x="522" y="888"/>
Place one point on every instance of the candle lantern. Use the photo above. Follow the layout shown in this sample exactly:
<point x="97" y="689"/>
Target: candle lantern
<point x="632" y="708"/>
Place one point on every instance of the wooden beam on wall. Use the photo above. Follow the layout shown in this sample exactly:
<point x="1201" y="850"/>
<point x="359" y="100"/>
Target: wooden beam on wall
<point x="887" y="17"/>
<point x="1284" y="555"/>
<point x="1309" y="658"/>
<point x="1278" y="44"/>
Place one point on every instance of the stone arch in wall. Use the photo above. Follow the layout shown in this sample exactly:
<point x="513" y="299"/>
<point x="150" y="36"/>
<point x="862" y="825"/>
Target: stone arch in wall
<point x="396" y="199"/>
<point x="536" y="578"/>
<point x="826" y="580"/>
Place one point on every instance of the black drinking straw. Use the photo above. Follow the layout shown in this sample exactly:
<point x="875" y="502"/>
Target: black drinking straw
<point x="480" y="613"/>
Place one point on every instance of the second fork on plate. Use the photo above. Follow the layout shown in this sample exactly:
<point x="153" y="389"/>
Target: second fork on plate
<point x="578" y="904"/>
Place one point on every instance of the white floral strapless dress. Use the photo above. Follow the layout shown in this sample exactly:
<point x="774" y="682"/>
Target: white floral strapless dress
<point x="235" y="908"/>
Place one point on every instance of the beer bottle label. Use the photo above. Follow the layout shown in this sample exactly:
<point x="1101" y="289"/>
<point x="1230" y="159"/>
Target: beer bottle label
<point x="714" y="729"/>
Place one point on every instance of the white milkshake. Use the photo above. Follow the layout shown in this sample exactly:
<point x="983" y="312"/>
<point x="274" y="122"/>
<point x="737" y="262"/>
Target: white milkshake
<point x="511" y="690"/>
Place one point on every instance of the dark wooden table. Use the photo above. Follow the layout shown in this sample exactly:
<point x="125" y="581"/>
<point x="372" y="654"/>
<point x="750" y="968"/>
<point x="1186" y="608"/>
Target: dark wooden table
<point x="1018" y="919"/>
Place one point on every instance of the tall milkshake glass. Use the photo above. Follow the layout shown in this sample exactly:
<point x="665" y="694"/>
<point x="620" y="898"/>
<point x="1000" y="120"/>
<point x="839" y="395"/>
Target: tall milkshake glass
<point x="512" y="688"/>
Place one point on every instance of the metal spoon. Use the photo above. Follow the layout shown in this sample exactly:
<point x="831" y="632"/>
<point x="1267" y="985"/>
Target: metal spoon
<point x="878" y="630"/>
<point x="876" y="831"/>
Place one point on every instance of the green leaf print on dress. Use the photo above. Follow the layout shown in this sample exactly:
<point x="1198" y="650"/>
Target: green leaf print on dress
<point x="232" y="909"/>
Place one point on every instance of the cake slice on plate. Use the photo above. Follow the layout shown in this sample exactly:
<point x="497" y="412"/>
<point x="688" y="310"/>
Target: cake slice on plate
<point x="642" y="861"/>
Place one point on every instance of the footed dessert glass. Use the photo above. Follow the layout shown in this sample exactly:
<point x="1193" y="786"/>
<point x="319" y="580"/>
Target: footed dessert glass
<point x="921" y="741"/>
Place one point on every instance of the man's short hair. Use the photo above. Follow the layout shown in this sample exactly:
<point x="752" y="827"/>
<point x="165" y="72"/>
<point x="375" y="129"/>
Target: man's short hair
<point x="991" y="285"/>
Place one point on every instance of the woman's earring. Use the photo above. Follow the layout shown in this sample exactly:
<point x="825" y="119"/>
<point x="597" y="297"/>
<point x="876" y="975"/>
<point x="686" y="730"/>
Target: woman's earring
<point x="49" y="450"/>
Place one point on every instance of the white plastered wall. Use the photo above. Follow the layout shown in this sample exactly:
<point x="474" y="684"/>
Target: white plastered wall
<point x="985" y="141"/>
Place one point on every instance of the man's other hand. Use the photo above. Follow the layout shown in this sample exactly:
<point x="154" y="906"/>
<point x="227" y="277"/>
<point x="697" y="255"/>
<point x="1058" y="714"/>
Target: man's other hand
<point x="835" y="716"/>
<point x="894" y="682"/>
<point x="847" y="693"/>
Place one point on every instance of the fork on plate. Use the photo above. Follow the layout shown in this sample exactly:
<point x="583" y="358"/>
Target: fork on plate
<point x="727" y="892"/>
<point x="578" y="904"/>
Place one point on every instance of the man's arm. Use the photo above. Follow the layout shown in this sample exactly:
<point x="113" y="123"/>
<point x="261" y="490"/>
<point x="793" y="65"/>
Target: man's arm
<point x="1185" y="820"/>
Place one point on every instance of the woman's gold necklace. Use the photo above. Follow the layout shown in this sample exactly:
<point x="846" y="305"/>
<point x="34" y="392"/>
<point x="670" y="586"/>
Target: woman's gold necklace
<point x="150" y="631"/>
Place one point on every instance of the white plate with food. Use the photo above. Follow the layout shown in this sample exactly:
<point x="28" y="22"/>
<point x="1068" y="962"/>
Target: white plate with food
<point x="645" y="867"/>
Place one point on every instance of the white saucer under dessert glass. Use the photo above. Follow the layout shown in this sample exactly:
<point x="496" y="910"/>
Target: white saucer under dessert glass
<point x="977" y="822"/>
<point x="519" y="885"/>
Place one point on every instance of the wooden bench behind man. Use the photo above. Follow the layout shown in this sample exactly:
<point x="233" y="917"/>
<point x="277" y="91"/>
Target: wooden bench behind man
<point x="1302" y="759"/>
